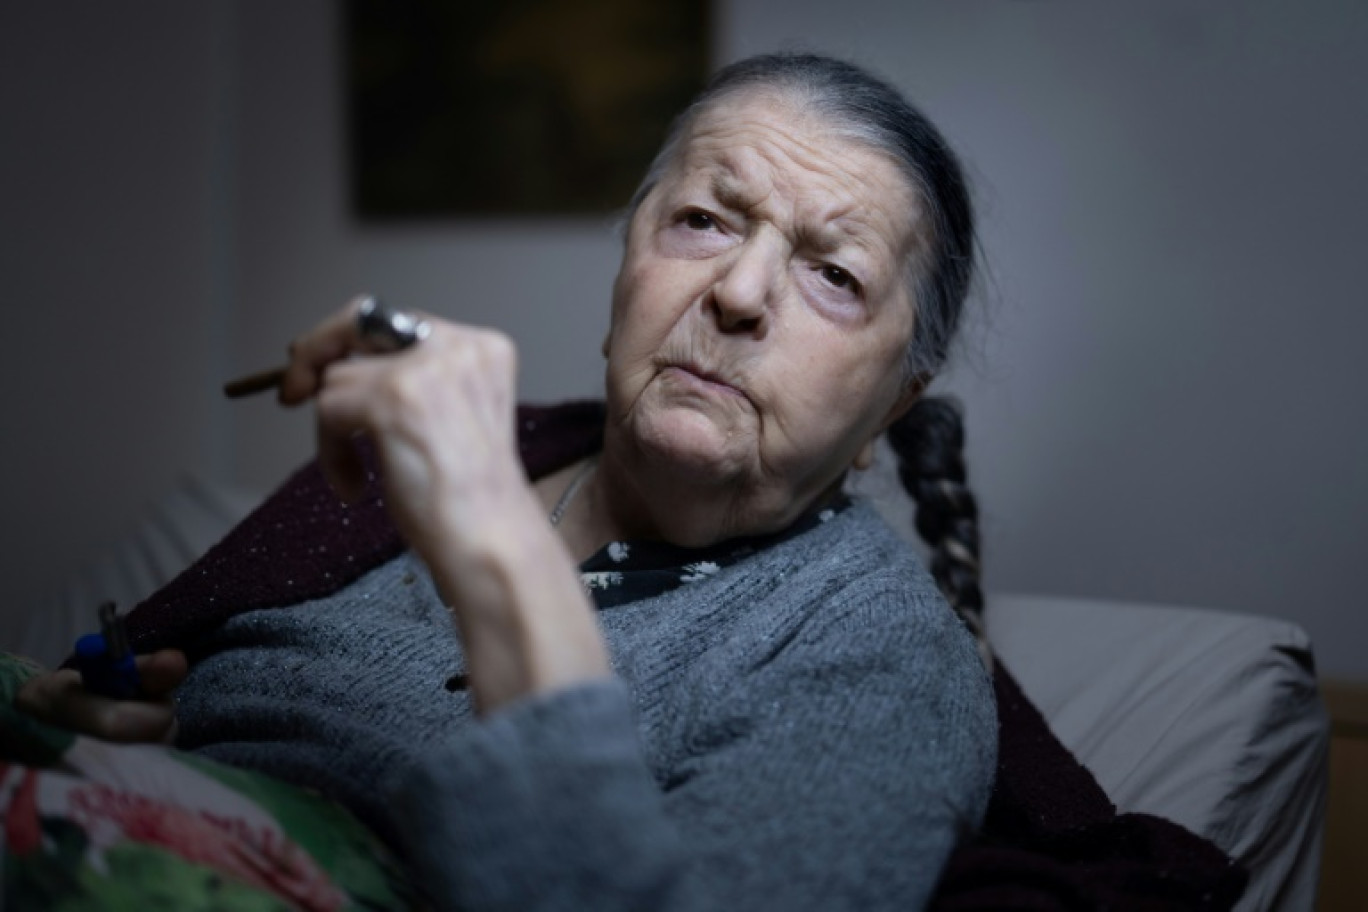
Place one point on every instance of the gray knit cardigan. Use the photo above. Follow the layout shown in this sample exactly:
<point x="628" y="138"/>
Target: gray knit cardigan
<point x="810" y="728"/>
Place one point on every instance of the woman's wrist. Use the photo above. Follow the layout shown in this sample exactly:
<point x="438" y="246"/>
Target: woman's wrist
<point x="526" y="624"/>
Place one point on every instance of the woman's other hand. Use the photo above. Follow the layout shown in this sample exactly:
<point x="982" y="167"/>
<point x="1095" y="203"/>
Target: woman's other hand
<point x="59" y="698"/>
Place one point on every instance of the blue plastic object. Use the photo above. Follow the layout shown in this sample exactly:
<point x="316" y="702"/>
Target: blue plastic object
<point x="104" y="660"/>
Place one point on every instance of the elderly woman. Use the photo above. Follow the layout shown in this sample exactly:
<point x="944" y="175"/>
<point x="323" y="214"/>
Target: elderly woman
<point x="711" y="680"/>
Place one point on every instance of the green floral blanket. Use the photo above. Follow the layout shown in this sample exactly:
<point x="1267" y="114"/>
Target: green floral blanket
<point x="85" y="824"/>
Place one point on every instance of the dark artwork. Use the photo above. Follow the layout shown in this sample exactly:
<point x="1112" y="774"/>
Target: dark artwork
<point x="520" y="107"/>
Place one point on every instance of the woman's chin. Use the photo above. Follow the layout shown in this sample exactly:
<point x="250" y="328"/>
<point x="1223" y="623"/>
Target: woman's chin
<point x="694" y="444"/>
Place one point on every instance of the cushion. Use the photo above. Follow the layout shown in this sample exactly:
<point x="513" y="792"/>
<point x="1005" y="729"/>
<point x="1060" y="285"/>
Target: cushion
<point x="1210" y="719"/>
<point x="179" y="526"/>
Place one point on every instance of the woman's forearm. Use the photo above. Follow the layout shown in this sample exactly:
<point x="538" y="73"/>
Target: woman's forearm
<point x="526" y="624"/>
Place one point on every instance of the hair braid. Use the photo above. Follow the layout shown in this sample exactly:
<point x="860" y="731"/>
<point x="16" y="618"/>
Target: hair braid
<point x="929" y="443"/>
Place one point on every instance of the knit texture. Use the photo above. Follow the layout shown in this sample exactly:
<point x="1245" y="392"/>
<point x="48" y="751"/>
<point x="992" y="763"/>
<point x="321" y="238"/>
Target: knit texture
<point x="808" y="728"/>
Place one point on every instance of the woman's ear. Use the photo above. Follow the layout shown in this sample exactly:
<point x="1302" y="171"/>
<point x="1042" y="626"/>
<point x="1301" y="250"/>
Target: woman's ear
<point x="908" y="398"/>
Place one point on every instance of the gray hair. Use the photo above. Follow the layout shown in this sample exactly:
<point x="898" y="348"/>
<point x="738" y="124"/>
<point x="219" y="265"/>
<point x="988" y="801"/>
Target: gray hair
<point x="870" y="111"/>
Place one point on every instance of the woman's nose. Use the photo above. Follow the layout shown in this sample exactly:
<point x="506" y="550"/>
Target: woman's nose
<point x="746" y="290"/>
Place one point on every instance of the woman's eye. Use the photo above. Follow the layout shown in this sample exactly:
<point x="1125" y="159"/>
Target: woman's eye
<point x="838" y="278"/>
<point x="695" y="233"/>
<point x="700" y="221"/>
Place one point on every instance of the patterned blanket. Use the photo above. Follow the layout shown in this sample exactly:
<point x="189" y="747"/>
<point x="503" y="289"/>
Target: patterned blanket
<point x="92" y="825"/>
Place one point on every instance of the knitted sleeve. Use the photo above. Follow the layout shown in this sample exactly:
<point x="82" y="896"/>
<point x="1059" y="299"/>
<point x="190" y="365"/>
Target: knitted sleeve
<point x="837" y="774"/>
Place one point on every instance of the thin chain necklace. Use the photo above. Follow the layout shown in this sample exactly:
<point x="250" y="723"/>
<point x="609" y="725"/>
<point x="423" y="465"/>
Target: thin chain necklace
<point x="558" y="511"/>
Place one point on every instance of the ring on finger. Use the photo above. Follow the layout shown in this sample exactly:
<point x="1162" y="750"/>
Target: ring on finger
<point x="386" y="329"/>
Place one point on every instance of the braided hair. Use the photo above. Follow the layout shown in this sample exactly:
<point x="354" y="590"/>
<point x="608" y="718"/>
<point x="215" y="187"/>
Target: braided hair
<point x="929" y="438"/>
<point x="929" y="443"/>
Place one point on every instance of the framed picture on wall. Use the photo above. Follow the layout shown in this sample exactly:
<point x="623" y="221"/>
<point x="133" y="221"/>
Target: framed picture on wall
<point x="463" y="108"/>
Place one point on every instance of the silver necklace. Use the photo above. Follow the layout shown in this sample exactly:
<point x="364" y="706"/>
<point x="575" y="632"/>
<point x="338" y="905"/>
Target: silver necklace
<point x="558" y="511"/>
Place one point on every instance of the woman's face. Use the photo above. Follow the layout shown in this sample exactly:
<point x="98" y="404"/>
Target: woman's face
<point x="761" y="314"/>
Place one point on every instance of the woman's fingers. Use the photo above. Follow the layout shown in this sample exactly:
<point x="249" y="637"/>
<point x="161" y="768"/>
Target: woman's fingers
<point x="350" y="393"/>
<point x="128" y="721"/>
<point x="440" y="412"/>
<point x="340" y="462"/>
<point x="161" y="672"/>
<point x="440" y="415"/>
<point x="330" y="341"/>
<point x="59" y="698"/>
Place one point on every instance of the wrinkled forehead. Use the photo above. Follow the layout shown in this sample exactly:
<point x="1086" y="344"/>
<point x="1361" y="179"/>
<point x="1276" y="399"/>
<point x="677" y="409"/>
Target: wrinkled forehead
<point x="756" y="141"/>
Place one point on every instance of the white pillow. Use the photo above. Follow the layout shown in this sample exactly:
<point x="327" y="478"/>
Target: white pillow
<point x="1210" y="719"/>
<point x="181" y="525"/>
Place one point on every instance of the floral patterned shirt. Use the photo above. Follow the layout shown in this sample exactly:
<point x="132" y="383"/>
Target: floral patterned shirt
<point x="622" y="572"/>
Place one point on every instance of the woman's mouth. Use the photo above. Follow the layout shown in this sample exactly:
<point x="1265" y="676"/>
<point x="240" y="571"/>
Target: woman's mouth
<point x="703" y="379"/>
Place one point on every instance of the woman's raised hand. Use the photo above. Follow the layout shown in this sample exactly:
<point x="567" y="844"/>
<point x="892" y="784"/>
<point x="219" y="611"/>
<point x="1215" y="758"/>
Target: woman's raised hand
<point x="440" y="414"/>
<point x="59" y="698"/>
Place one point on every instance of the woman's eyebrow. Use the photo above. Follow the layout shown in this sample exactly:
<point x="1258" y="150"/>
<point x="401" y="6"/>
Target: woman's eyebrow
<point x="840" y="228"/>
<point x="727" y="189"/>
<point x="846" y="232"/>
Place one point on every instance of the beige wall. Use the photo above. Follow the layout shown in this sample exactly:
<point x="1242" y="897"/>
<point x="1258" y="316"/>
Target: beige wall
<point x="1164" y="401"/>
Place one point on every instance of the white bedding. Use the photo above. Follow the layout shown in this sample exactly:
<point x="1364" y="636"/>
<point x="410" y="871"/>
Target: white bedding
<point x="1211" y="719"/>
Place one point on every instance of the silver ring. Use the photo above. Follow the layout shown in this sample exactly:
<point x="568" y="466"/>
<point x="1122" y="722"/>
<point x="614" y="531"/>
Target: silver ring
<point x="388" y="330"/>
